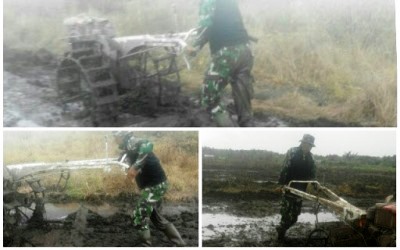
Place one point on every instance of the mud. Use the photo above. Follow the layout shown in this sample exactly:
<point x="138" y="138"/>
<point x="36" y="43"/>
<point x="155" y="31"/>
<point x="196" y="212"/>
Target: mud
<point x="30" y="100"/>
<point x="226" y="225"/>
<point x="108" y="224"/>
<point x="242" y="209"/>
<point x="243" y="220"/>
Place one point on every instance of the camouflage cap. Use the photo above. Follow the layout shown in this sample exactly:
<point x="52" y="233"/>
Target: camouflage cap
<point x="307" y="138"/>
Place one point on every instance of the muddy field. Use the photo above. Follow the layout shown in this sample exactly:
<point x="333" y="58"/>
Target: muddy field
<point x="101" y="224"/>
<point x="244" y="219"/>
<point x="242" y="209"/>
<point x="30" y="100"/>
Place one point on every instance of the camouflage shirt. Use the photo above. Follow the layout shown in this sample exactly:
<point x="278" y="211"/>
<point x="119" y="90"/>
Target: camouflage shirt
<point x="297" y="166"/>
<point x="206" y="14"/>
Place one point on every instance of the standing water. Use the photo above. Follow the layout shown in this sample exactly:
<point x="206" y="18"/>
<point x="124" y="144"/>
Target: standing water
<point x="60" y="211"/>
<point x="219" y="224"/>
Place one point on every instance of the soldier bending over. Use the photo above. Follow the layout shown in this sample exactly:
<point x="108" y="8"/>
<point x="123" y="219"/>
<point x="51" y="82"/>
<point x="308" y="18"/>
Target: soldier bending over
<point x="150" y="177"/>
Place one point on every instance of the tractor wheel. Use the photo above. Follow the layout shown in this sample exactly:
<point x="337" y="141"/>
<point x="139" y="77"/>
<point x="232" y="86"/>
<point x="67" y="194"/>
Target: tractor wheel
<point x="86" y="85"/>
<point x="73" y="89"/>
<point x="318" y="238"/>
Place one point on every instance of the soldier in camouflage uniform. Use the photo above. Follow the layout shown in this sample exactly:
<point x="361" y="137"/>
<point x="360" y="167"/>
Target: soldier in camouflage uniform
<point x="150" y="177"/>
<point x="298" y="165"/>
<point x="222" y="27"/>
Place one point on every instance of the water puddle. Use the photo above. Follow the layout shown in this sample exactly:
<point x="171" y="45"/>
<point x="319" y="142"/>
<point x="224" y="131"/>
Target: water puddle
<point x="264" y="182"/>
<point x="216" y="223"/>
<point x="322" y="217"/>
<point x="61" y="211"/>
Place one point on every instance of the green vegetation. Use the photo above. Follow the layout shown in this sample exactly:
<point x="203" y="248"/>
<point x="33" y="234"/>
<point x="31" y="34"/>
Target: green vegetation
<point x="176" y="150"/>
<point x="334" y="60"/>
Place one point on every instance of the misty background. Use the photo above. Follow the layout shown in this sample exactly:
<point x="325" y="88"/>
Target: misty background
<point x="327" y="142"/>
<point x="331" y="60"/>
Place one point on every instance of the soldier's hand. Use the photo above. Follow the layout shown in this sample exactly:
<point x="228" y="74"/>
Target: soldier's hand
<point x="278" y="190"/>
<point x="131" y="174"/>
<point x="191" y="51"/>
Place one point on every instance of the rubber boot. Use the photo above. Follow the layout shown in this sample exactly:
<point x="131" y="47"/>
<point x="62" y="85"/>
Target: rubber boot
<point x="173" y="235"/>
<point x="145" y="238"/>
<point x="248" y="123"/>
<point x="281" y="233"/>
<point x="223" y="119"/>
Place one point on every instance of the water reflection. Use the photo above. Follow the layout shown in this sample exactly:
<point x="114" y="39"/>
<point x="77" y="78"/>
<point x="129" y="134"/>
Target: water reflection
<point x="59" y="211"/>
<point x="217" y="223"/>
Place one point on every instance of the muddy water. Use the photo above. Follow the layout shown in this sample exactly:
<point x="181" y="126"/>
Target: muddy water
<point x="107" y="225"/>
<point x="217" y="223"/>
<point x="31" y="100"/>
<point x="60" y="211"/>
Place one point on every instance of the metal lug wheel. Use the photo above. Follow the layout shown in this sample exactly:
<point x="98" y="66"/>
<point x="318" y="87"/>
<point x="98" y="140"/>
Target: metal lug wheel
<point x="318" y="238"/>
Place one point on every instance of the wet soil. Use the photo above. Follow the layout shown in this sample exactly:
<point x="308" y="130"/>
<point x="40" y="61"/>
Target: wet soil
<point x="30" y="100"/>
<point x="252" y="222"/>
<point x="244" y="219"/>
<point x="242" y="209"/>
<point x="104" y="224"/>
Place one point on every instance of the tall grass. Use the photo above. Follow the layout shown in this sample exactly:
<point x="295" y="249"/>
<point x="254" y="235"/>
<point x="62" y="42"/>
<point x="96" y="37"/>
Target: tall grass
<point x="336" y="57"/>
<point x="340" y="55"/>
<point x="177" y="152"/>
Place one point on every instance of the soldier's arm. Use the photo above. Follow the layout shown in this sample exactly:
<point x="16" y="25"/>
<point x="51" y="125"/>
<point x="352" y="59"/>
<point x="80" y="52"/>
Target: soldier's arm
<point x="286" y="164"/>
<point x="206" y="13"/>
<point x="145" y="149"/>
<point x="313" y="169"/>
<point x="132" y="173"/>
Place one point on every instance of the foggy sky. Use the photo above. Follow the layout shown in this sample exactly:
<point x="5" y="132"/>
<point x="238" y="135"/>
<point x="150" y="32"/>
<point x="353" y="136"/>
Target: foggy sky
<point x="370" y="142"/>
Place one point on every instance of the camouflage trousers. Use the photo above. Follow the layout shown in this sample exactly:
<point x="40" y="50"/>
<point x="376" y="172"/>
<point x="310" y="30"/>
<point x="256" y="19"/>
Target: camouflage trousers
<point x="230" y="65"/>
<point x="290" y="210"/>
<point x="148" y="208"/>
